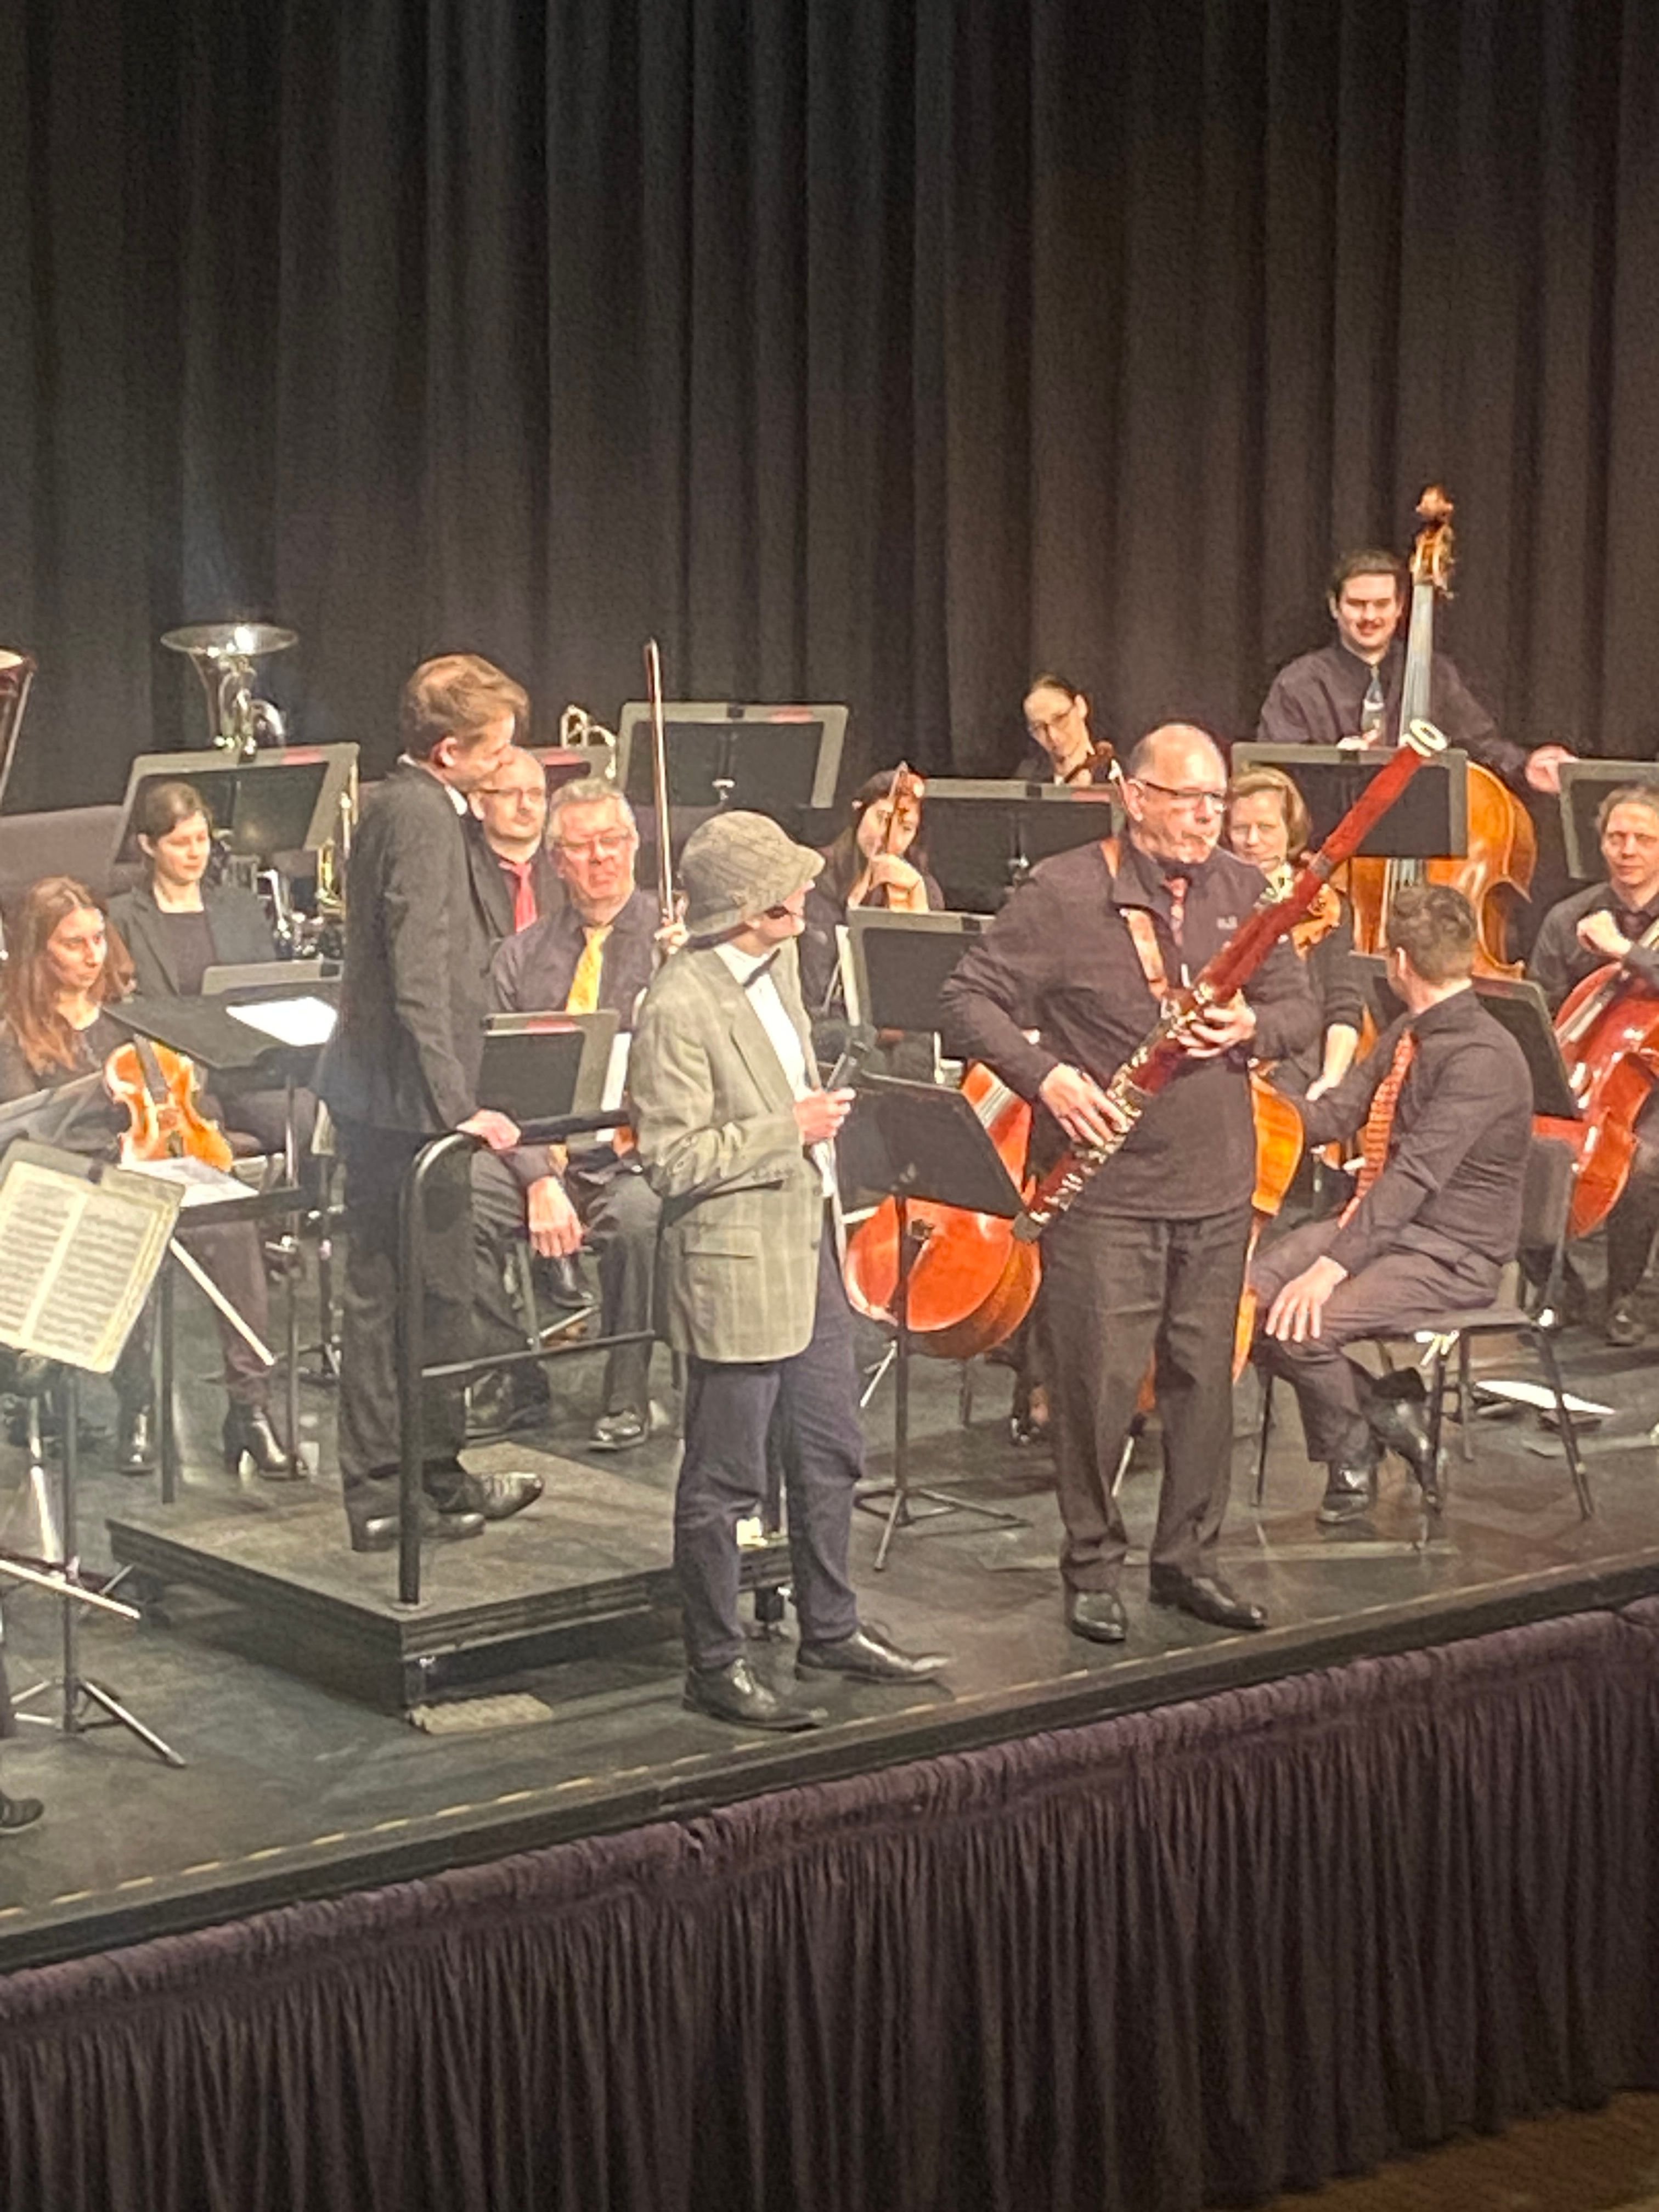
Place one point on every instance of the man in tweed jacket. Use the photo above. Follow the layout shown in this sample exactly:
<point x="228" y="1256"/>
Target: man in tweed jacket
<point x="736" y="1137"/>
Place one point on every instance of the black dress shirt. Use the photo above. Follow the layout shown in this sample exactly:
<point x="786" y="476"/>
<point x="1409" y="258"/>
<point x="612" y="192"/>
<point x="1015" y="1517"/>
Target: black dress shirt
<point x="1060" y="959"/>
<point x="1035" y="766"/>
<point x="1316" y="700"/>
<point x="1458" y="1152"/>
<point x="167" y="949"/>
<point x="95" y="1124"/>
<point x="1559" y="961"/>
<point x="533" y="972"/>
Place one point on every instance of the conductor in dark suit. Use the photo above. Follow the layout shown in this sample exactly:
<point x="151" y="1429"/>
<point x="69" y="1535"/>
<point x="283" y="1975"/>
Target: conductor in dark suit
<point x="401" y="1068"/>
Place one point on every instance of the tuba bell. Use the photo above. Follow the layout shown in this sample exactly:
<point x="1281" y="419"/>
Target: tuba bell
<point x="223" y="654"/>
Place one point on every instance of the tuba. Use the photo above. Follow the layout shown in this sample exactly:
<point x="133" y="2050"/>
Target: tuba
<point x="223" y="654"/>
<point x="577" y="727"/>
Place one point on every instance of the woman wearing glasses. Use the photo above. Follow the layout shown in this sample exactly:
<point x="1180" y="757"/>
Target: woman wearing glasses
<point x="1062" y="749"/>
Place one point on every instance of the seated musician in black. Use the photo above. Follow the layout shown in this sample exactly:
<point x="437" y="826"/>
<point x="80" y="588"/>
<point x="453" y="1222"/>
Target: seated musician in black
<point x="1268" y="824"/>
<point x="1062" y="747"/>
<point x="878" y="860"/>
<point x="1350" y="689"/>
<point x="1445" y="1102"/>
<point x="1607" y="924"/>
<point x="63" y="971"/>
<point x="596" y="949"/>
<point x="177" y="925"/>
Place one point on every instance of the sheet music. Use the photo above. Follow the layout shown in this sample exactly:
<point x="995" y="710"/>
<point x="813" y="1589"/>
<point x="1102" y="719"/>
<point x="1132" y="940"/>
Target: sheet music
<point x="300" y="1021"/>
<point x="80" y="1257"/>
<point x="200" y="1184"/>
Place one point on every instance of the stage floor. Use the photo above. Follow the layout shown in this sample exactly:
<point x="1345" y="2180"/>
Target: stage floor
<point x="295" y="1789"/>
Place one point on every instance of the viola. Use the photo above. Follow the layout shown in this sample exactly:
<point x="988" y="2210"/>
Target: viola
<point x="905" y="794"/>
<point x="158" y="1087"/>
<point x="972" y="1282"/>
<point x="1495" y="873"/>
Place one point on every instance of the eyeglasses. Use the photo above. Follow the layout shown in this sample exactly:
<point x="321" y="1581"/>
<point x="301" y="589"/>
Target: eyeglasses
<point x="1037" y="727"/>
<point x="1188" y="796"/>
<point x="604" y="846"/>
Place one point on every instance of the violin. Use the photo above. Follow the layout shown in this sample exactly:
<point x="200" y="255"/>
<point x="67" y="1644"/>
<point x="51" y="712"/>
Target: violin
<point x="158" y="1087"/>
<point x="1086" y="778"/>
<point x="905" y="794"/>
<point x="1496" y="871"/>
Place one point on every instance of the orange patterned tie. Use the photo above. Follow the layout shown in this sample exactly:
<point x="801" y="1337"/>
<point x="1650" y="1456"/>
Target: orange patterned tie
<point x="584" y="997"/>
<point x="1379" y="1123"/>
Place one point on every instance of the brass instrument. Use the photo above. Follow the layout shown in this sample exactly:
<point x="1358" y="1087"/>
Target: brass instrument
<point x="578" y="727"/>
<point x="223" y="654"/>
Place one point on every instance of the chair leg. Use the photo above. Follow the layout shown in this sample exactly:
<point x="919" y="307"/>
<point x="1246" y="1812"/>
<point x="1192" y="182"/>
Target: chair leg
<point x="1545" y="1350"/>
<point x="1262" y="1440"/>
<point x="1434" y="1493"/>
<point x="1465" y="1402"/>
<point x="965" y="1396"/>
<point x="524" y="1280"/>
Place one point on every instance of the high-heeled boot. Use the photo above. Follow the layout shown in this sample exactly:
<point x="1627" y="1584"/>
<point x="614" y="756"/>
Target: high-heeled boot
<point x="248" y="1432"/>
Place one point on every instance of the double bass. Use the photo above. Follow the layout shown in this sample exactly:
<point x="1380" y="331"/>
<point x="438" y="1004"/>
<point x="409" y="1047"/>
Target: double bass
<point x="1496" y="871"/>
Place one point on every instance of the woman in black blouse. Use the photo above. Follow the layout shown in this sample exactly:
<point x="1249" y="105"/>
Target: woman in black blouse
<point x="1268" y="824"/>
<point x="177" y="925"/>
<point x="64" y="972"/>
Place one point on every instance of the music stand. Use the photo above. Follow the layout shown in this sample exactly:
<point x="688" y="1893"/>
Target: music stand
<point x="1584" y="785"/>
<point x="286" y="801"/>
<point x="1429" y="820"/>
<point x="247" y="980"/>
<point x="540" y="1068"/>
<point x="83" y="1246"/>
<point x="924" y="1142"/>
<point x="1520" y="1007"/>
<point x="774" y="760"/>
<point x="985" y="835"/>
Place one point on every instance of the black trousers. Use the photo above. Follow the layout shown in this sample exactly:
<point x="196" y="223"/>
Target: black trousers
<point x="728" y="1408"/>
<point x="230" y="1257"/>
<point x="376" y="1161"/>
<point x="1634" y="1222"/>
<point x="619" y="1212"/>
<point x="1120" y="1293"/>
<point x="1394" y="1292"/>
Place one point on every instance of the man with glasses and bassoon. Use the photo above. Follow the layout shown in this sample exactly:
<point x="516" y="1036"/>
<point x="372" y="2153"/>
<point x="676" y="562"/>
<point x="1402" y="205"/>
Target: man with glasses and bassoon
<point x="1146" y="1268"/>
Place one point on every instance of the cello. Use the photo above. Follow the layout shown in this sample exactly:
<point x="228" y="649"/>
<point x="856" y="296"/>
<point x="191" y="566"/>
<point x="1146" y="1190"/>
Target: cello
<point x="1496" y="871"/>
<point x="1608" y="1030"/>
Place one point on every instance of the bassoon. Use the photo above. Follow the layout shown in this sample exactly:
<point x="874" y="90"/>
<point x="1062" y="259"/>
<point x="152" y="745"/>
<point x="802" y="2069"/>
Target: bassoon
<point x="1161" y="1053"/>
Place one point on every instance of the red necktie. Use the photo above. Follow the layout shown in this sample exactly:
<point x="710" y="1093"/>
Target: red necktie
<point x="1379" y="1122"/>
<point x="524" y="893"/>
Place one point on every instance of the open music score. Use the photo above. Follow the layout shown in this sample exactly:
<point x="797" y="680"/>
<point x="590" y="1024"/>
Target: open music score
<point x="81" y="1254"/>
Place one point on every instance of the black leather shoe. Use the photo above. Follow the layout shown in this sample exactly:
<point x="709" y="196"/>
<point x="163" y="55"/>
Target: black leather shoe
<point x="1401" y="1424"/>
<point x="733" y="1694"/>
<point x="18" y="1812"/>
<point x="1206" y="1597"/>
<point x="379" y="1532"/>
<point x="491" y="1496"/>
<point x="136" y="1451"/>
<point x="1097" y="1615"/>
<point x="1350" y="1493"/>
<point x="498" y="1404"/>
<point x="248" y="1433"/>
<point x="868" y="1656"/>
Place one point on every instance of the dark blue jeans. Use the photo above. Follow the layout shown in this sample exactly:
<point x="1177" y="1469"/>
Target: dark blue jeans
<point x="728" y="1409"/>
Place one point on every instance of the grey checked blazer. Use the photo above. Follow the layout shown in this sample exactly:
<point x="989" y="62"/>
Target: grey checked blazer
<point x="742" y="1205"/>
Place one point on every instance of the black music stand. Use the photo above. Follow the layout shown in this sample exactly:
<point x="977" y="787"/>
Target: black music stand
<point x="286" y="801"/>
<point x="774" y="760"/>
<point x="84" y="1245"/>
<point x="985" y="836"/>
<point x="1584" y="785"/>
<point x="902" y="961"/>
<point x="540" y="1068"/>
<point x="1429" y="820"/>
<point x="924" y="1142"/>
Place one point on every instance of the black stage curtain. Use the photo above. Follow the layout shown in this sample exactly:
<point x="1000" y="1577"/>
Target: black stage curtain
<point x="873" y="352"/>
<point x="1185" y="1956"/>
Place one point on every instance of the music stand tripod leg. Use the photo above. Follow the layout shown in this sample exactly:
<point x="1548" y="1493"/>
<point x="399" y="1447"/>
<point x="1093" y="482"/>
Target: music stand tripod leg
<point x="77" y="1689"/>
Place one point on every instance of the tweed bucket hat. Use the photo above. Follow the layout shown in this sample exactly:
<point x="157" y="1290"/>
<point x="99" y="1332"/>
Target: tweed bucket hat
<point x="734" y="866"/>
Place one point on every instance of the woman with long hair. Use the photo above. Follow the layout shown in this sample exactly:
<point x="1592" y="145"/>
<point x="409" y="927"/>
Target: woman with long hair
<point x="878" y="860"/>
<point x="64" y="971"/>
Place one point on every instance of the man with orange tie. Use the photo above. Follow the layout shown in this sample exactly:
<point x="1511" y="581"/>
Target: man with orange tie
<point x="596" y="950"/>
<point x="1443" y="1106"/>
